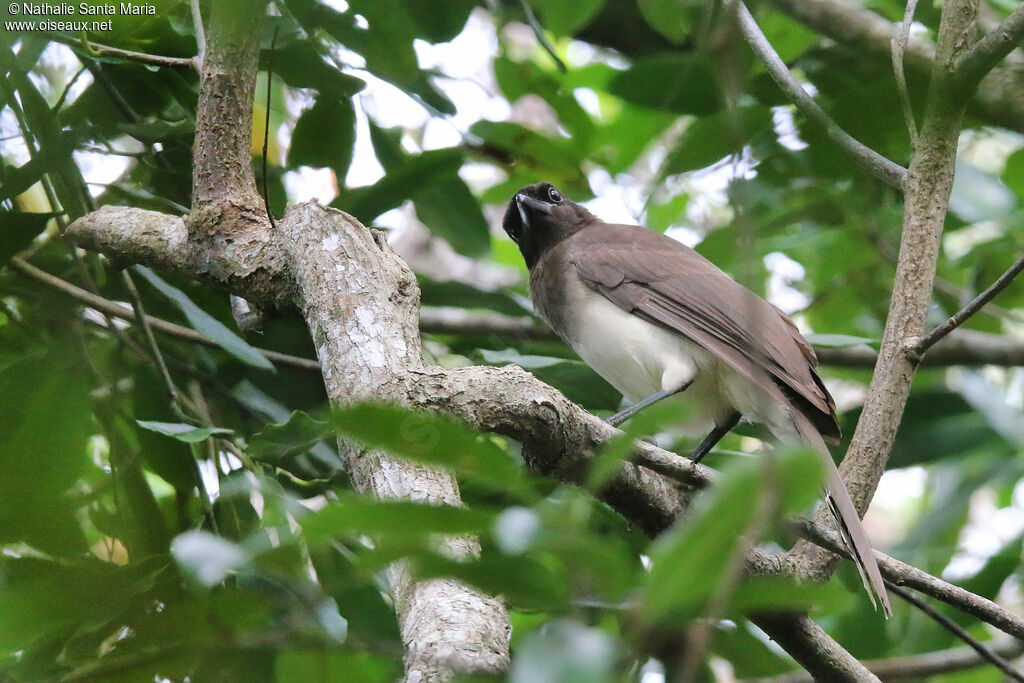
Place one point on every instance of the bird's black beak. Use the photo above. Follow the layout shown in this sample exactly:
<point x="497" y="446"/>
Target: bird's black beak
<point x="525" y="203"/>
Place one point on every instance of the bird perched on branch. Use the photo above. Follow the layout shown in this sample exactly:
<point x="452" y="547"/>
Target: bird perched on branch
<point x="655" y="318"/>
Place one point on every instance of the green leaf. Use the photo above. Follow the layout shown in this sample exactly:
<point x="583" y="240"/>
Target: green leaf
<point x="679" y="83"/>
<point x="182" y="432"/>
<point x="1013" y="174"/>
<point x="301" y="66"/>
<point x="296" y="436"/>
<point x="325" y="136"/>
<point x="391" y="519"/>
<point x="440" y="20"/>
<point x="401" y="183"/>
<point x="449" y="210"/>
<point x="789" y="38"/>
<point x="18" y="229"/>
<point x="431" y="439"/>
<point x="206" y="324"/>
<point x="712" y="138"/>
<point x="671" y="18"/>
<point x="454" y="293"/>
<point x="326" y="666"/>
<point x="564" y="18"/>
<point x="525" y="581"/>
<point x="45" y="425"/>
<point x="689" y="561"/>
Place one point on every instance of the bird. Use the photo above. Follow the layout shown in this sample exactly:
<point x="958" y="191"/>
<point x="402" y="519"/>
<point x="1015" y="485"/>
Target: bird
<point x="655" y="318"/>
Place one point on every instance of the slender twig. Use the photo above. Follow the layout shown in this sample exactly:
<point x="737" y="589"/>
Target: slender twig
<point x="958" y="631"/>
<point x="899" y="48"/>
<point x="67" y="89"/>
<point x="542" y="39"/>
<point x="147" y="331"/>
<point x="266" y="135"/>
<point x="961" y="316"/>
<point x="197" y="22"/>
<point x="927" y="664"/>
<point x="921" y="581"/>
<point x="885" y="170"/>
<point x="122" y="312"/>
<point x="974" y="64"/>
<point x="99" y="49"/>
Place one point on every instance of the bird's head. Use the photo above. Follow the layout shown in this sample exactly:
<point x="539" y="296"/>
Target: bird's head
<point x="539" y="216"/>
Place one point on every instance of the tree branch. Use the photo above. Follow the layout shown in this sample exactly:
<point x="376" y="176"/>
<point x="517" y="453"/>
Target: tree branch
<point x="962" y="347"/>
<point x="999" y="98"/>
<point x="904" y="574"/>
<point x="123" y="312"/>
<point x="983" y="56"/>
<point x="961" y="316"/>
<point x="959" y="632"/>
<point x="924" y="665"/>
<point x="929" y="182"/>
<point x="885" y="170"/>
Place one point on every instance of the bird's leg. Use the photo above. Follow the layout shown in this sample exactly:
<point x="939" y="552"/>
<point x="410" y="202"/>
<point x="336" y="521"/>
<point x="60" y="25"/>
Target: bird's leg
<point x="714" y="437"/>
<point x="626" y="413"/>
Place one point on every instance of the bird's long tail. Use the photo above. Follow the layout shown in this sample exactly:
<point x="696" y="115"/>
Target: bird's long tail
<point x="847" y="519"/>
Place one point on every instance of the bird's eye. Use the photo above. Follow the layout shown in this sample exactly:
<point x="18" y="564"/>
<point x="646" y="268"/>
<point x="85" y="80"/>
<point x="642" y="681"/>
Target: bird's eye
<point x="554" y="195"/>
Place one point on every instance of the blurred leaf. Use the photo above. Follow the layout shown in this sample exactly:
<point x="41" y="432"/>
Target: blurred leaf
<point x="463" y="295"/>
<point x="45" y="425"/>
<point x="748" y="654"/>
<point x="296" y="436"/>
<point x="303" y="666"/>
<point x="391" y="519"/>
<point x="670" y="18"/>
<point x="1013" y="173"/>
<point x="440" y="20"/>
<point x="688" y="561"/>
<point x="449" y="210"/>
<point x="997" y="569"/>
<point x="182" y="432"/>
<point x="206" y="324"/>
<point x="300" y="66"/>
<point x="712" y="138"/>
<point x="433" y="440"/>
<point x="683" y="84"/>
<point x="565" y="651"/>
<point x="789" y="37"/>
<point x="979" y="196"/>
<point x="936" y="424"/>
<point x="325" y="136"/>
<point x="525" y="582"/>
<point x="564" y="18"/>
<point x="1006" y="420"/>
<point x="18" y="229"/>
<point x="415" y="174"/>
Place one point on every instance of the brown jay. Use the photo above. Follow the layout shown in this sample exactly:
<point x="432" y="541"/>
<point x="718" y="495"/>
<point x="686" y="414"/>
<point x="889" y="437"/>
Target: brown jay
<point x="655" y="318"/>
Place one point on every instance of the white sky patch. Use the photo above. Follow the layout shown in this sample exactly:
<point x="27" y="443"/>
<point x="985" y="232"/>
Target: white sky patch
<point x="99" y="170"/>
<point x="785" y="271"/>
<point x="988" y="530"/>
<point x="589" y="100"/>
<point x="306" y="184"/>
<point x="365" y="169"/>
<point x="785" y="128"/>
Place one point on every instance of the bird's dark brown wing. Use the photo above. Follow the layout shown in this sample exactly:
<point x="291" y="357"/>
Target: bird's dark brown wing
<point x="660" y="280"/>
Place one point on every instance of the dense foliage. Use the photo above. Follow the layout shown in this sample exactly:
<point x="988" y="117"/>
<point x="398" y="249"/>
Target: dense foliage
<point x="216" y="536"/>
